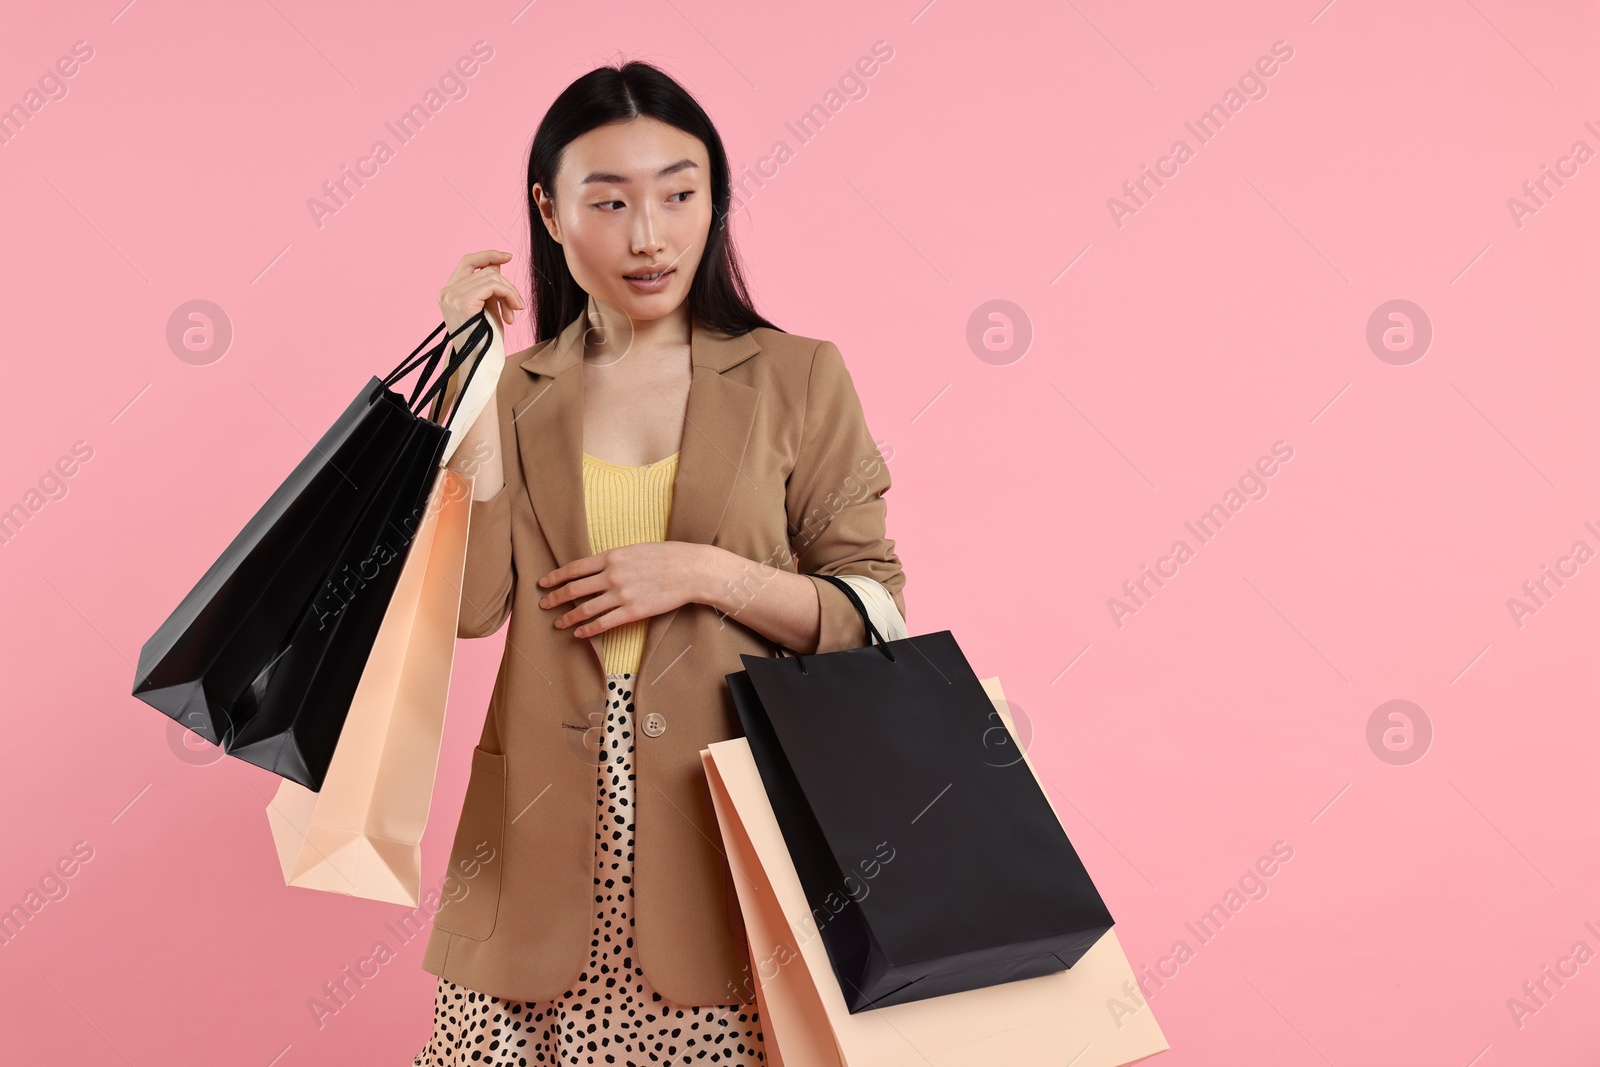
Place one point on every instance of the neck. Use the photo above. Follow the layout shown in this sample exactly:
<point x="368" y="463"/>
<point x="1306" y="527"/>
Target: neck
<point x="612" y="334"/>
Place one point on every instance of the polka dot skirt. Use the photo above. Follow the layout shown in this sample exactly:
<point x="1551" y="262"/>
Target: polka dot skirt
<point x="611" y="1015"/>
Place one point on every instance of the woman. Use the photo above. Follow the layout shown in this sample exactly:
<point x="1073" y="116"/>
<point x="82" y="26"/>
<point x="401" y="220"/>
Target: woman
<point x="655" y="485"/>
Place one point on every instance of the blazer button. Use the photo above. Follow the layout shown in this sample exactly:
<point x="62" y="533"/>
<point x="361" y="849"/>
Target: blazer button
<point x="655" y="724"/>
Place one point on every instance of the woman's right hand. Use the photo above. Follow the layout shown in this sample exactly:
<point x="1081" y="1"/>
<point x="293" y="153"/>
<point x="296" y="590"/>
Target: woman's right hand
<point x="477" y="283"/>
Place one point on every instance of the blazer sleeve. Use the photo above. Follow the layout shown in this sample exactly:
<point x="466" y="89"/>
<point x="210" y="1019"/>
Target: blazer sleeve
<point x="489" y="576"/>
<point x="835" y="501"/>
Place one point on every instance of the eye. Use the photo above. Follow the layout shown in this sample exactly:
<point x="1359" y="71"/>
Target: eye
<point x="685" y="193"/>
<point x="603" y="203"/>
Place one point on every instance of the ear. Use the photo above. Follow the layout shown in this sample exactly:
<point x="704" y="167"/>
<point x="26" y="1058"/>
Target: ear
<point x="547" y="211"/>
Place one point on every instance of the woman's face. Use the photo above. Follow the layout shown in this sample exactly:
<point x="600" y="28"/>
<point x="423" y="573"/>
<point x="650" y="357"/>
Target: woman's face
<point x="632" y="198"/>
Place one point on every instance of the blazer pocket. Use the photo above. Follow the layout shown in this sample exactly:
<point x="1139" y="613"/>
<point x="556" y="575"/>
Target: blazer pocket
<point x="471" y="888"/>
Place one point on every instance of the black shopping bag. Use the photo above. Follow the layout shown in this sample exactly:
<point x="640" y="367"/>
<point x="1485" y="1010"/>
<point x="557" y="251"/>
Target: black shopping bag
<point x="289" y="718"/>
<point x="271" y="631"/>
<point x="930" y="865"/>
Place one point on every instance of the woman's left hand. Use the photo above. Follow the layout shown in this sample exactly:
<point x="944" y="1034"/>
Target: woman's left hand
<point x="627" y="583"/>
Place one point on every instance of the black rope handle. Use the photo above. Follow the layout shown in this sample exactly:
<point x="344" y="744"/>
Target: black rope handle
<point x="411" y="361"/>
<point x="482" y="333"/>
<point x="874" y="638"/>
<point x="478" y="331"/>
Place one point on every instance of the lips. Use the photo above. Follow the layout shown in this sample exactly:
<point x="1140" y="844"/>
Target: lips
<point x="649" y="275"/>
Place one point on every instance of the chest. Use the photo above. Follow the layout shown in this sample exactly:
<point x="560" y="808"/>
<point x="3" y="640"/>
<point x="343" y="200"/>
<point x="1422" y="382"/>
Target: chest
<point x="633" y="414"/>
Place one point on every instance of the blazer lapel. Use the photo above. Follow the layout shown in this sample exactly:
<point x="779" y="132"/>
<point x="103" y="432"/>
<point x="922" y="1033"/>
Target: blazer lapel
<point x="549" y="431"/>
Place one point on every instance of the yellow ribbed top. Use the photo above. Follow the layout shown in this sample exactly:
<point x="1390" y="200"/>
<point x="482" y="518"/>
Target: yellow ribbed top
<point x="626" y="506"/>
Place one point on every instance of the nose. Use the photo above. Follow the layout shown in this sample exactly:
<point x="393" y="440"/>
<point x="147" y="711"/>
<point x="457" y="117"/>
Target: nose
<point x="646" y="238"/>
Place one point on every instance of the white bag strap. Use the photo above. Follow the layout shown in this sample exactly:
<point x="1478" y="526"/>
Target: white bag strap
<point x="881" y="608"/>
<point x="480" y="387"/>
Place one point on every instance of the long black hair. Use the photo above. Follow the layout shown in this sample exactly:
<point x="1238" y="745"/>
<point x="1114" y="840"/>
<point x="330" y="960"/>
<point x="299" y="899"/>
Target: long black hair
<point x="717" y="295"/>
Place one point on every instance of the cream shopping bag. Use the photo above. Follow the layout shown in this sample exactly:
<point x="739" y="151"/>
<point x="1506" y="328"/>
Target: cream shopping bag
<point x="1090" y="1015"/>
<point x="361" y="834"/>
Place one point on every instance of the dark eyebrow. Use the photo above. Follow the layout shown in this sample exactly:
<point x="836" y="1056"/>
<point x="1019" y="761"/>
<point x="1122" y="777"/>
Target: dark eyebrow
<point x="617" y="179"/>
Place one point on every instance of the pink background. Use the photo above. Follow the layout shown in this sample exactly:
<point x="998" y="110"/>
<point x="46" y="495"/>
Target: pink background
<point x="1167" y="354"/>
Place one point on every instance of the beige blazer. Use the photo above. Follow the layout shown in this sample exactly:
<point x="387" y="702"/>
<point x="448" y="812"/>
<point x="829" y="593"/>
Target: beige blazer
<point x="778" y="467"/>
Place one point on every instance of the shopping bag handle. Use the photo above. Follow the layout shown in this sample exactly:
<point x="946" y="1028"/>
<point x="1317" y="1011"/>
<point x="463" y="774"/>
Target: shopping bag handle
<point x="422" y="392"/>
<point x="480" y="333"/>
<point x="874" y="638"/>
<point x="432" y="355"/>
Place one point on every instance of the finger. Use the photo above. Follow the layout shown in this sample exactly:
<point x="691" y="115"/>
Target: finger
<point x="489" y="257"/>
<point x="588" y="610"/>
<point x="463" y="299"/>
<point x="578" y="587"/>
<point x="496" y="304"/>
<point x="603" y="623"/>
<point x="576" y="569"/>
<point x="475" y="264"/>
<point x="499" y="305"/>
<point x="474" y="291"/>
<point x="483" y="288"/>
<point x="479" y="283"/>
<point x="493" y="271"/>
